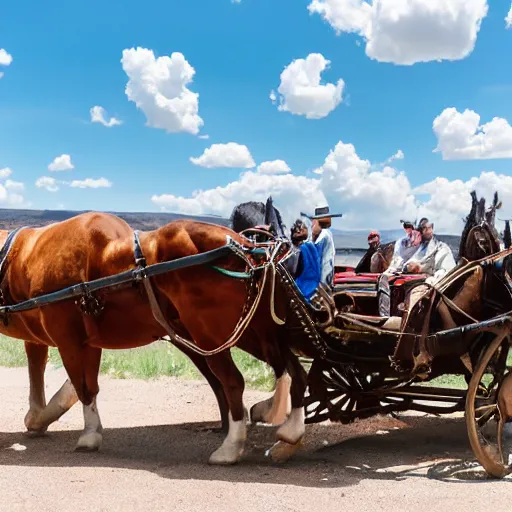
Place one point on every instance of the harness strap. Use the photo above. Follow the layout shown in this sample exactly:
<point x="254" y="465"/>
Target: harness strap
<point x="160" y="317"/>
<point x="6" y="249"/>
<point x="123" y="278"/>
<point x="232" y="273"/>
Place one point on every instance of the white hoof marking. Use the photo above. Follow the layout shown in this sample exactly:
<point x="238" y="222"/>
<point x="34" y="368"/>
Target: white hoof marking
<point x="232" y="448"/>
<point x="90" y="442"/>
<point x="91" y="438"/>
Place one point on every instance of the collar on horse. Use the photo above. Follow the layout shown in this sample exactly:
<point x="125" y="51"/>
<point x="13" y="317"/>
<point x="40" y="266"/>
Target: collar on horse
<point x="4" y="254"/>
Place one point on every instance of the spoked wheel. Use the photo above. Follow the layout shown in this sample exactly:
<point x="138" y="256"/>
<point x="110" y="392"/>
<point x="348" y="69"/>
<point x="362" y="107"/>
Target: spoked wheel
<point x="489" y="408"/>
<point x="340" y="394"/>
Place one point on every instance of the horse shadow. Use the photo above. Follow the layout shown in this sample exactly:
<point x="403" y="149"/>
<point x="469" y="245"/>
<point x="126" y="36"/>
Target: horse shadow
<point x="332" y="456"/>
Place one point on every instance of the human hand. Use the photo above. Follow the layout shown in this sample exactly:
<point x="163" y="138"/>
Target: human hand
<point x="413" y="268"/>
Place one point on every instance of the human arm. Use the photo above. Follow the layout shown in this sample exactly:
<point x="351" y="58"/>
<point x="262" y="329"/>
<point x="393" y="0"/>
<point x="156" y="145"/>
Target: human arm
<point x="444" y="262"/>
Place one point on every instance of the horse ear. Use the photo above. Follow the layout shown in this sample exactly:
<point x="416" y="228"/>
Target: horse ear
<point x="499" y="205"/>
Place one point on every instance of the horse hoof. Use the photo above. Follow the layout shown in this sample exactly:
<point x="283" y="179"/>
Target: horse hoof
<point x="33" y="433"/>
<point x="227" y="454"/>
<point x="257" y="412"/>
<point x="89" y="442"/>
<point x="282" y="451"/>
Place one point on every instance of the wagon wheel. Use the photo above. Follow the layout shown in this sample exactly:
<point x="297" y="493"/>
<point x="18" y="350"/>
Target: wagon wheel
<point x="340" y="393"/>
<point x="489" y="408"/>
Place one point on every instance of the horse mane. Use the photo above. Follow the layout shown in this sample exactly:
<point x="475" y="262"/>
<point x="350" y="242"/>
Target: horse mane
<point x="480" y="224"/>
<point x="254" y="213"/>
<point x="507" y="237"/>
<point x="274" y="219"/>
<point x="470" y="222"/>
<point x="247" y="215"/>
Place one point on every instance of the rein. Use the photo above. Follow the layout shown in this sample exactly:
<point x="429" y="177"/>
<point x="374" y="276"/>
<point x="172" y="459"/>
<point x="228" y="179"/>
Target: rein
<point x="245" y="317"/>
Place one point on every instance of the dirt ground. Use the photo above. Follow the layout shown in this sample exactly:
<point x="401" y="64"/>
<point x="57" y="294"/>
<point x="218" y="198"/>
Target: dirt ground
<point x="158" y="436"/>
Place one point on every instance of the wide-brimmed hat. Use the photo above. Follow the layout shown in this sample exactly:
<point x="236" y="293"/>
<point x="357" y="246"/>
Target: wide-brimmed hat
<point x="322" y="213"/>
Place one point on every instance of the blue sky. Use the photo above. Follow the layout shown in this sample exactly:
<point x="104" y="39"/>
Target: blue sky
<point x="66" y="58"/>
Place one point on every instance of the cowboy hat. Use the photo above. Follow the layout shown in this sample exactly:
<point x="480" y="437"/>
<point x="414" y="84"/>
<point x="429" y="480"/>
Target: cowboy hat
<point x="322" y="213"/>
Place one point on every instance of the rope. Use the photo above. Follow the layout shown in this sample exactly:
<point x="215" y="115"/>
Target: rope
<point x="230" y="342"/>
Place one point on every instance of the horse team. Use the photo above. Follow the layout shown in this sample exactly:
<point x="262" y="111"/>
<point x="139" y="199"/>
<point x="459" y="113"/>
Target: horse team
<point x="200" y="302"/>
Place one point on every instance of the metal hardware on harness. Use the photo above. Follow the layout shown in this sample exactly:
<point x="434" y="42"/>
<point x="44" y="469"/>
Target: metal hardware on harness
<point x="88" y="303"/>
<point x="160" y="318"/>
<point x="123" y="278"/>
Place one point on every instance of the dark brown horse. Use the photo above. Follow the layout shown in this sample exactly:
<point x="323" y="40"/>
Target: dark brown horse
<point x="200" y="302"/>
<point x="476" y="289"/>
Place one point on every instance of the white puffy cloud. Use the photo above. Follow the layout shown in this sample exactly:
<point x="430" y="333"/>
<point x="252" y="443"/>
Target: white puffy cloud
<point x="91" y="183"/>
<point x="48" y="183"/>
<point x="461" y="137"/>
<point x="99" y="115"/>
<point x="367" y="198"/>
<point x="300" y="91"/>
<point x="5" y="59"/>
<point x="508" y="19"/>
<point x="449" y="201"/>
<point x="273" y="167"/>
<point x="399" y="155"/>
<point x="407" y="32"/>
<point x="14" y="185"/>
<point x="158" y="86"/>
<point x="9" y="190"/>
<point x="61" y="163"/>
<point x="291" y="194"/>
<point x="225" y="155"/>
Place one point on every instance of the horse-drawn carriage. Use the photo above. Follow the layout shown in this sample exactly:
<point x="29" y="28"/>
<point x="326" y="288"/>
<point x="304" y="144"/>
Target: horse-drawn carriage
<point x="194" y="282"/>
<point x="372" y="364"/>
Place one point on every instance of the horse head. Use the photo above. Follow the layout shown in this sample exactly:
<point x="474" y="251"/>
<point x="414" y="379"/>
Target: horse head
<point x="480" y="237"/>
<point x="247" y="215"/>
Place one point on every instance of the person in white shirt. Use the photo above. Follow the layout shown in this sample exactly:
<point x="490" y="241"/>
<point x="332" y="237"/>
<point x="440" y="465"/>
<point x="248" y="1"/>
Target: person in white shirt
<point x="405" y="247"/>
<point x="432" y="256"/>
<point x="321" y="236"/>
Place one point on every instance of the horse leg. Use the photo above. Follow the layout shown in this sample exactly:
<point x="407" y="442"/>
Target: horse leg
<point x="37" y="357"/>
<point x="274" y="410"/>
<point x="40" y="415"/>
<point x="291" y="433"/>
<point x="230" y="451"/>
<point x="60" y="403"/>
<point x="83" y="365"/>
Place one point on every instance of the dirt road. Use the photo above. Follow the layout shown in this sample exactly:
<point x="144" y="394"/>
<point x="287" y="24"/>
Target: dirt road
<point x="158" y="437"/>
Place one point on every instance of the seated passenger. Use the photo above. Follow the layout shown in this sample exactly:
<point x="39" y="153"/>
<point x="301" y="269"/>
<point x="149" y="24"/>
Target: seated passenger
<point x="369" y="261"/>
<point x="405" y="247"/>
<point x="432" y="256"/>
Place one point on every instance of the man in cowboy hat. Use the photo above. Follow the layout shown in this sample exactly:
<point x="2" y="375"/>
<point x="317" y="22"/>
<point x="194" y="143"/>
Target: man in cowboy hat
<point x="322" y="237"/>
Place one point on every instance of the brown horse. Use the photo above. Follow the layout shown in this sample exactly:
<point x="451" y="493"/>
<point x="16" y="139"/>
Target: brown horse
<point x="199" y="301"/>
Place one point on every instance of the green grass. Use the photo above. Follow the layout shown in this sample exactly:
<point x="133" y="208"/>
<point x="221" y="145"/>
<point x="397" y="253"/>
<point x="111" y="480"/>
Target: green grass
<point x="152" y="361"/>
<point x="163" y="359"/>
